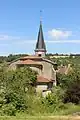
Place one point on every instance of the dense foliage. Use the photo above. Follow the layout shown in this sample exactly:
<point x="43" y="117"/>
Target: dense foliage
<point x="14" y="86"/>
<point x="70" y="83"/>
<point x="17" y="89"/>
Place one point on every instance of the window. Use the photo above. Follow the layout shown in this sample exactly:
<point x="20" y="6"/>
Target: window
<point x="39" y="55"/>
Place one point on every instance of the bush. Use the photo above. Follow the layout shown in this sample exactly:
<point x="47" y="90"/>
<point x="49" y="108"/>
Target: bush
<point x="8" y="109"/>
<point x="53" y="101"/>
<point x="14" y="86"/>
<point x="72" y="94"/>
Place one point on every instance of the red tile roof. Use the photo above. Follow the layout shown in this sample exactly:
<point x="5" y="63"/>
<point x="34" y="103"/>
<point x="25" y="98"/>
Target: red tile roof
<point x="42" y="79"/>
<point x="28" y="62"/>
<point x="62" y="69"/>
<point x="30" y="57"/>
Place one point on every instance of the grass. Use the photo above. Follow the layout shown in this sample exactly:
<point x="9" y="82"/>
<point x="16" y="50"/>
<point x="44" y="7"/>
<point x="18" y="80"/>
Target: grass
<point x="62" y="114"/>
<point x="39" y="118"/>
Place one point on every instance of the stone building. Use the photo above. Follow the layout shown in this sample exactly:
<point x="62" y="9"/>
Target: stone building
<point x="46" y="73"/>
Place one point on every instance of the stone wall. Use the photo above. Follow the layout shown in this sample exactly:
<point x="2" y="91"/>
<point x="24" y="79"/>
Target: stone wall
<point x="40" y="88"/>
<point x="47" y="70"/>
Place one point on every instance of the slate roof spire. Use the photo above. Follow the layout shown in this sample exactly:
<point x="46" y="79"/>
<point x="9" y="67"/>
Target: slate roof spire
<point x="40" y="45"/>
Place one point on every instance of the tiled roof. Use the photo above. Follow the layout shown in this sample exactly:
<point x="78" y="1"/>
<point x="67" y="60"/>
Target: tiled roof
<point x="28" y="62"/>
<point x="42" y="79"/>
<point x="62" y="69"/>
<point x="33" y="57"/>
<point x="30" y="57"/>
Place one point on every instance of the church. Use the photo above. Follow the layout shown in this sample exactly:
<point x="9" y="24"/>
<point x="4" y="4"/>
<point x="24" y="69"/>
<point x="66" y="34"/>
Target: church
<point x="45" y="68"/>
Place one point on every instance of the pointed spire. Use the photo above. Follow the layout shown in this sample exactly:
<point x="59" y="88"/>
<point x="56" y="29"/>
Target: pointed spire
<point x="40" y="49"/>
<point x="40" y="46"/>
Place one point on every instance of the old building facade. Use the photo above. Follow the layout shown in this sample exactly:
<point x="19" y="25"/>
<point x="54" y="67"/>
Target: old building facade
<point x="46" y="73"/>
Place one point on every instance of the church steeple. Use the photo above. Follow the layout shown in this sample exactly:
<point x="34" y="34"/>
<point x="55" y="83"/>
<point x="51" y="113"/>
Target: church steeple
<point x="40" y="49"/>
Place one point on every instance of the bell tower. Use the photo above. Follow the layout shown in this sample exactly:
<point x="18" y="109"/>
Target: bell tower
<point x="40" y="49"/>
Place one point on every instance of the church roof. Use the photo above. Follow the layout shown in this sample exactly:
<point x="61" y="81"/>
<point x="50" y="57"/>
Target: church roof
<point x="29" y="62"/>
<point x="43" y="79"/>
<point x="30" y="57"/>
<point x="33" y="58"/>
<point x="40" y="45"/>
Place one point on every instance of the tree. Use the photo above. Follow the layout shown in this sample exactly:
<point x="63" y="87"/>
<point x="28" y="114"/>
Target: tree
<point x="72" y="93"/>
<point x="14" y="86"/>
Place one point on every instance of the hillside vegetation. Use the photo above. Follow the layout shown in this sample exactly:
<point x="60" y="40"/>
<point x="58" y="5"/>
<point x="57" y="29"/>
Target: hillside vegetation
<point x="18" y="96"/>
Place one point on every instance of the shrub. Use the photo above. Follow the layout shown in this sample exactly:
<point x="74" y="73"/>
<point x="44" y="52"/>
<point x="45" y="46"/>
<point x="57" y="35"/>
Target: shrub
<point x="8" y="109"/>
<point x="13" y="93"/>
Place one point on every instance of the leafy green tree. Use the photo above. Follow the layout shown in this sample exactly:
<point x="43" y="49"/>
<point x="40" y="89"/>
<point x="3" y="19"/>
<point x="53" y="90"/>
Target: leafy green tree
<point x="70" y="84"/>
<point x="72" y="93"/>
<point x="14" y="86"/>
